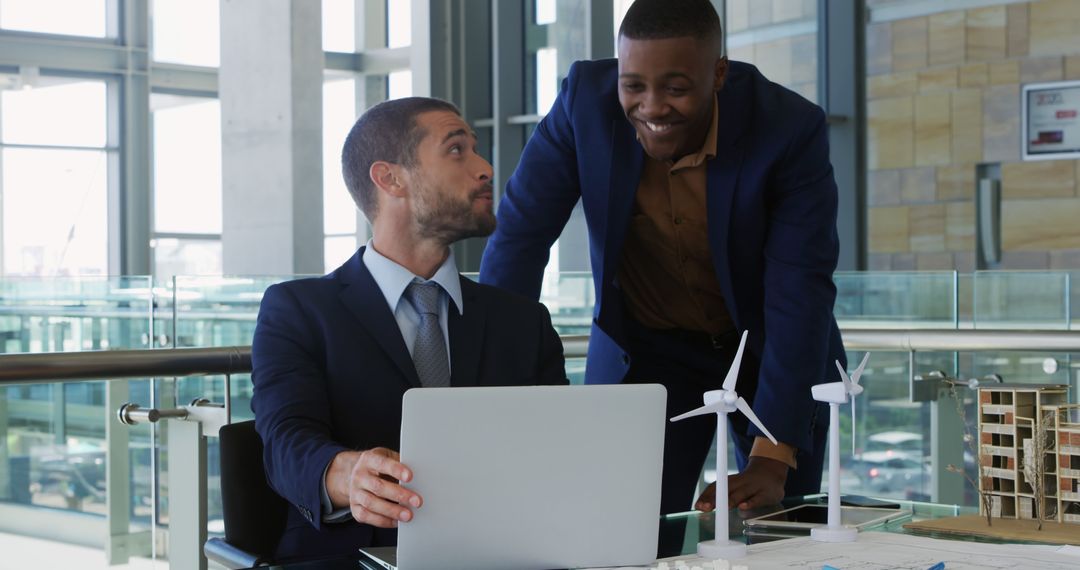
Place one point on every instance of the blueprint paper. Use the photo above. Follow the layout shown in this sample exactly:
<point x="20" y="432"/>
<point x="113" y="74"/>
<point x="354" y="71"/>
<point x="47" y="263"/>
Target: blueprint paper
<point x="1070" y="549"/>
<point x="891" y="551"/>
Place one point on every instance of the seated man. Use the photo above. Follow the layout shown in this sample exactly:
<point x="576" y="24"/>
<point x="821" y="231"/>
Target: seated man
<point x="333" y="356"/>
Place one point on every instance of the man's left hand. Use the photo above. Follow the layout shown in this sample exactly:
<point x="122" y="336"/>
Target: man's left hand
<point x="760" y="484"/>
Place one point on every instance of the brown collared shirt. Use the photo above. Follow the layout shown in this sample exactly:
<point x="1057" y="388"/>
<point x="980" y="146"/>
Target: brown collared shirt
<point x="667" y="274"/>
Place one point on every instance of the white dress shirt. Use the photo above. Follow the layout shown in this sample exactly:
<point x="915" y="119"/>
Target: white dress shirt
<point x="392" y="279"/>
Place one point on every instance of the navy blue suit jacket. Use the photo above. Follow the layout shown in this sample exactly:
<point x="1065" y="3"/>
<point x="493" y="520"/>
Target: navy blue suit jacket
<point x="771" y="202"/>
<point x="330" y="368"/>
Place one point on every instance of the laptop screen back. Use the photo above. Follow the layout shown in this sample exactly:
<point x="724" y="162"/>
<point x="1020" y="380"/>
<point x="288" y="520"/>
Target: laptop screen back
<point x="533" y="477"/>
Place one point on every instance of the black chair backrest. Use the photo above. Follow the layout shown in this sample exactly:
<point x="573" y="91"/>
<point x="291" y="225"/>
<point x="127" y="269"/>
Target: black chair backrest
<point x="254" y="514"/>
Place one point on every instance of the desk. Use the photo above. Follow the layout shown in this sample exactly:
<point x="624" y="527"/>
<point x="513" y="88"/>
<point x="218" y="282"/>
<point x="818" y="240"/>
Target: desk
<point x="680" y="533"/>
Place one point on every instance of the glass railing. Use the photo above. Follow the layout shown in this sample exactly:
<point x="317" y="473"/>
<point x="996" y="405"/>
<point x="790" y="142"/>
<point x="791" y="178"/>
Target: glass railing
<point x="207" y="311"/>
<point x="896" y="300"/>
<point x="890" y="455"/>
<point x="55" y="434"/>
<point x="65" y="315"/>
<point x="53" y="437"/>
<point x="1021" y="300"/>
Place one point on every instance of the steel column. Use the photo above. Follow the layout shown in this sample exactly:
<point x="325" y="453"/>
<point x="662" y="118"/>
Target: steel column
<point x="841" y="73"/>
<point x="131" y="208"/>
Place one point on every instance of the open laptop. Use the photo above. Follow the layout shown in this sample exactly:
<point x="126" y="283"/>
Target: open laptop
<point x="531" y="478"/>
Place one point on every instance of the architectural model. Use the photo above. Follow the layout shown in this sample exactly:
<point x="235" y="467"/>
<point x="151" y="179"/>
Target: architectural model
<point x="1016" y="423"/>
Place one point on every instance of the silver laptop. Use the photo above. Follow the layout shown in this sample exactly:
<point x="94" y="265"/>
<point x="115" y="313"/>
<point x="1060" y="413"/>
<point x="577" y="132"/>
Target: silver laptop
<point x="532" y="478"/>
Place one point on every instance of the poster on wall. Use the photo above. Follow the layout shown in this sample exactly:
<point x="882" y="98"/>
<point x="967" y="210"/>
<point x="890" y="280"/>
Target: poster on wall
<point x="1051" y="116"/>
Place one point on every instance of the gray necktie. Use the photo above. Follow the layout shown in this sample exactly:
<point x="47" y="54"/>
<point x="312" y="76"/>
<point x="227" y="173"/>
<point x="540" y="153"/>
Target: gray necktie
<point x="429" y="350"/>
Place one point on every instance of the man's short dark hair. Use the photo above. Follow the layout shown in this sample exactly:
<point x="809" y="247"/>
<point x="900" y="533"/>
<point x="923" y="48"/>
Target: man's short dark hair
<point x="386" y="132"/>
<point x="662" y="19"/>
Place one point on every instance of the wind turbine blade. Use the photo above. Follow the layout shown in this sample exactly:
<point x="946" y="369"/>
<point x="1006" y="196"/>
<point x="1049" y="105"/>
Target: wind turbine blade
<point x="733" y="372"/>
<point x="749" y="413"/>
<point x="710" y="409"/>
<point x="858" y="371"/>
<point x="843" y="376"/>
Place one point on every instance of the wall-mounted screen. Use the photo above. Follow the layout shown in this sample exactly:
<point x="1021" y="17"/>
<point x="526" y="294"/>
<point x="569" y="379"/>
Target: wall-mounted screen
<point x="1051" y="120"/>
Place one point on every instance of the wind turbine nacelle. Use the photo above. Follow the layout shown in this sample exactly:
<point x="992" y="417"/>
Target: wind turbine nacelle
<point x="832" y="393"/>
<point x="714" y="396"/>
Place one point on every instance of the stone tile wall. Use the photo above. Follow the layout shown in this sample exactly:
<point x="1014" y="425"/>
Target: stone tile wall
<point x="943" y="95"/>
<point x="789" y="61"/>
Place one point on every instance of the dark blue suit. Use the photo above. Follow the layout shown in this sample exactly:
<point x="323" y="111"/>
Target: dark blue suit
<point x="771" y="208"/>
<point x="330" y="368"/>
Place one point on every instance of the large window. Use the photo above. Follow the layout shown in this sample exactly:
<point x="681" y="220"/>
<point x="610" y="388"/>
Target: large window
<point x="67" y="17"/>
<point x="345" y="228"/>
<point x="560" y="23"/>
<point x="54" y="159"/>
<point x="187" y="185"/>
<point x="187" y="32"/>
<point x="399" y="84"/>
<point x="547" y="63"/>
<point x="339" y="25"/>
<point x="399" y="34"/>
<point x="339" y="211"/>
<point x="399" y="22"/>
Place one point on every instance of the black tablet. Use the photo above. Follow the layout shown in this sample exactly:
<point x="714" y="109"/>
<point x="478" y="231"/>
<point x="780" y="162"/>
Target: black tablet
<point x="810" y="516"/>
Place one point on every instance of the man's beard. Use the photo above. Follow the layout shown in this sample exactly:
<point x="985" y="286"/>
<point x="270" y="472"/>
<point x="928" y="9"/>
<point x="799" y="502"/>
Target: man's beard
<point x="448" y="219"/>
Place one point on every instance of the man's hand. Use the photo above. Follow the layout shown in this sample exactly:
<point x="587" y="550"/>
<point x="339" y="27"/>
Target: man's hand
<point x="760" y="484"/>
<point x="367" y="483"/>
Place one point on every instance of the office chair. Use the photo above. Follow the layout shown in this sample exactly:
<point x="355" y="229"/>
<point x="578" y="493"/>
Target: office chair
<point x="254" y="514"/>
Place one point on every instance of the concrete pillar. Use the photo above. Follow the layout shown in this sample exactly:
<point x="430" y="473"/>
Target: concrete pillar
<point x="270" y="84"/>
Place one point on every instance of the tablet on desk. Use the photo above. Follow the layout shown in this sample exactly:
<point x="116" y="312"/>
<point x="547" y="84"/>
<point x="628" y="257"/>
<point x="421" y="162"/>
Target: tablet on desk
<point x="805" y="517"/>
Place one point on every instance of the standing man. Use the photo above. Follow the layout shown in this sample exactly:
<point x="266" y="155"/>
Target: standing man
<point x="711" y="210"/>
<point x="332" y="357"/>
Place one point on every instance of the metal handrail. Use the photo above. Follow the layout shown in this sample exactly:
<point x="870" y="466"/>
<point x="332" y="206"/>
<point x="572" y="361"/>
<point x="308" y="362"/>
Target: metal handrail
<point x="49" y="367"/>
<point x="961" y="340"/>
<point x="44" y="368"/>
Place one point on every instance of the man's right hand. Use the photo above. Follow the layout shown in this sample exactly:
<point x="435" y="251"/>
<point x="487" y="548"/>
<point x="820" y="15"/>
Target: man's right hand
<point x="367" y="483"/>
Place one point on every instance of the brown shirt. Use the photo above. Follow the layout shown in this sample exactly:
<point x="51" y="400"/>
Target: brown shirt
<point x="667" y="275"/>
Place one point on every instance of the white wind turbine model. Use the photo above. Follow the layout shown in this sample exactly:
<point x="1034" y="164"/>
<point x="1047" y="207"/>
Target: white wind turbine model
<point x="722" y="402"/>
<point x="836" y="393"/>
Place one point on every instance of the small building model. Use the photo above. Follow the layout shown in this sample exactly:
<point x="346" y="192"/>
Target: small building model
<point x="1016" y="421"/>
<point x="1067" y="428"/>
